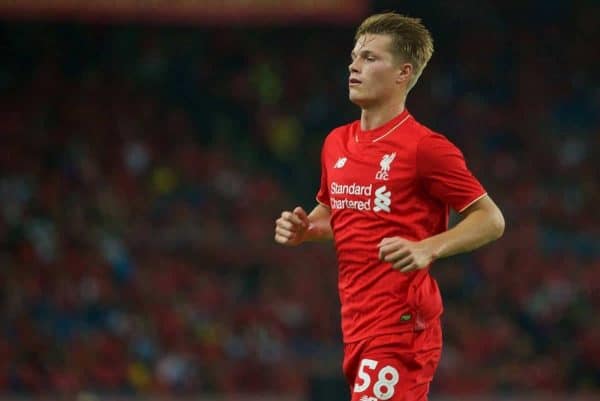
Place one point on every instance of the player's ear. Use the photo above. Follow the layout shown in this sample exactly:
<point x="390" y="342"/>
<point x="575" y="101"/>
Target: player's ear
<point x="404" y="72"/>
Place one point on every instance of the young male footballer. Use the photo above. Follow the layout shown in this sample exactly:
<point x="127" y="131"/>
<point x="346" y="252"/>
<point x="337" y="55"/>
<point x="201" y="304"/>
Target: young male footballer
<point x="387" y="185"/>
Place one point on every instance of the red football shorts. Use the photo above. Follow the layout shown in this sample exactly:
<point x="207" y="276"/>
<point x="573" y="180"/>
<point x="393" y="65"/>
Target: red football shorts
<point x="395" y="367"/>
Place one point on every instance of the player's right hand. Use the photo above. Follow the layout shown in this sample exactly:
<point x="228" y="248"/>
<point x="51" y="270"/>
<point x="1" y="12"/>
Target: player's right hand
<point x="291" y="227"/>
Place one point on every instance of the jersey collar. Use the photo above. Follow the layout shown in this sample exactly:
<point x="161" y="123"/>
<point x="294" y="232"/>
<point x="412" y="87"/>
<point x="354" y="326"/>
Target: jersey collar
<point x="382" y="131"/>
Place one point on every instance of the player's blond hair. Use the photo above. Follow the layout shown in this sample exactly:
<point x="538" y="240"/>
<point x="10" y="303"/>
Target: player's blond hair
<point x="411" y="41"/>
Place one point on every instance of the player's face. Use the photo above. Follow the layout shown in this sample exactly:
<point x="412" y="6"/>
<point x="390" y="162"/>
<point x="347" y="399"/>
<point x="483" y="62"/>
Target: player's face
<point x="373" y="70"/>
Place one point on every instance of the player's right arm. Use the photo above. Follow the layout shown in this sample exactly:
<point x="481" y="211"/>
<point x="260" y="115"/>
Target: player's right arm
<point x="296" y="227"/>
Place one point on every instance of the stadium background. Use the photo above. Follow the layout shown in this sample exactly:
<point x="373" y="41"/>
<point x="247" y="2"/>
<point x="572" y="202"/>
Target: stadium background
<point x="145" y="154"/>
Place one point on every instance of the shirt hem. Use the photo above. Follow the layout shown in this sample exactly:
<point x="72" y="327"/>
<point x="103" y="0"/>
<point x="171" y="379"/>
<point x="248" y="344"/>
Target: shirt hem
<point x="404" y="329"/>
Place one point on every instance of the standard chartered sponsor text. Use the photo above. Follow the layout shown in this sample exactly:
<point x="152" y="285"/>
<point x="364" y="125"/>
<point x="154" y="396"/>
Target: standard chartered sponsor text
<point x="351" y="189"/>
<point x="345" y="203"/>
<point x="361" y="195"/>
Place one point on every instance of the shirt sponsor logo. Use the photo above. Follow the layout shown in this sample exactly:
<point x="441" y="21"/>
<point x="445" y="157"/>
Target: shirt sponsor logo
<point x="345" y="203"/>
<point x="382" y="199"/>
<point x="341" y="162"/>
<point x="362" y="197"/>
<point x="350" y="189"/>
<point x="385" y="163"/>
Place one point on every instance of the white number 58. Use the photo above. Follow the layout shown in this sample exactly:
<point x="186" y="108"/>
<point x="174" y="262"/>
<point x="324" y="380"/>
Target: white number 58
<point x="388" y="377"/>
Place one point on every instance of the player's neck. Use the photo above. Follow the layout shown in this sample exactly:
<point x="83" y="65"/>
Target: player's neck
<point x="374" y="117"/>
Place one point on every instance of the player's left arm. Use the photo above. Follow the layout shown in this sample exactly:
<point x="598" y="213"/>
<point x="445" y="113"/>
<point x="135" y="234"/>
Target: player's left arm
<point x="482" y="222"/>
<point x="447" y="178"/>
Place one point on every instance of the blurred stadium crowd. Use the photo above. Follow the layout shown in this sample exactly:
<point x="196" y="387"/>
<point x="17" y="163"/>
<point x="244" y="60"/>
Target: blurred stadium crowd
<point x="142" y="168"/>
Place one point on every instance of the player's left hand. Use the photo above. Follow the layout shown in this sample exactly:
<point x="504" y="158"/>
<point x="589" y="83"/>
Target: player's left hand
<point x="405" y="255"/>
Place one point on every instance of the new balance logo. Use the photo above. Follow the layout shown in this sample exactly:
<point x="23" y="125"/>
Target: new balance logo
<point x="386" y="161"/>
<point x="382" y="199"/>
<point x="340" y="162"/>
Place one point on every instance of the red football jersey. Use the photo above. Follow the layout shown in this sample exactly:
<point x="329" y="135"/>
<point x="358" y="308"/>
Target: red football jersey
<point x="397" y="180"/>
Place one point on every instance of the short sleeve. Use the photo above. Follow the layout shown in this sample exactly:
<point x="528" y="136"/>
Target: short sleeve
<point x="444" y="174"/>
<point x="323" y="194"/>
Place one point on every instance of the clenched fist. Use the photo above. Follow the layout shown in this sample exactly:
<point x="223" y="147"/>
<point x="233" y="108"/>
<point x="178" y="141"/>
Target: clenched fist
<point x="291" y="227"/>
<point x="405" y="255"/>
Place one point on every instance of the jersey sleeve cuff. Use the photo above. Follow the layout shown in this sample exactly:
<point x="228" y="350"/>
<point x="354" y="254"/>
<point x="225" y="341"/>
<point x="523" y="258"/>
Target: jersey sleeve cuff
<point x="323" y="204"/>
<point x="473" y="201"/>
